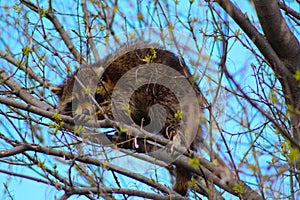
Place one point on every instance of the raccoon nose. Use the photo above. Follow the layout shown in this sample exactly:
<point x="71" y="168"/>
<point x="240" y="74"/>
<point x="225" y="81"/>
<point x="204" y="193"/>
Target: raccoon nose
<point x="85" y="112"/>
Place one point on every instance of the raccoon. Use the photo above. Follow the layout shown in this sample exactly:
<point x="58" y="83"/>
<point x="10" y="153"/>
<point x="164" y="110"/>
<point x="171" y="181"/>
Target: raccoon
<point x="92" y="89"/>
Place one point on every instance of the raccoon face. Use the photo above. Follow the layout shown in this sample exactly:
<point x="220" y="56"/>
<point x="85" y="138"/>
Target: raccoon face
<point x="78" y="94"/>
<point x="75" y="102"/>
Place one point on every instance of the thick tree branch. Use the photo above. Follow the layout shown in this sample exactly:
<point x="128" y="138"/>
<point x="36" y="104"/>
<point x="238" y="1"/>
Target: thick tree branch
<point x="285" y="76"/>
<point x="20" y="91"/>
<point x="278" y="33"/>
<point x="130" y="192"/>
<point x="84" y="159"/>
<point x="224" y="178"/>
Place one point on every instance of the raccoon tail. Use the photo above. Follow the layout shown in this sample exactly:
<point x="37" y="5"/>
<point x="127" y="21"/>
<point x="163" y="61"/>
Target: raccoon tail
<point x="182" y="181"/>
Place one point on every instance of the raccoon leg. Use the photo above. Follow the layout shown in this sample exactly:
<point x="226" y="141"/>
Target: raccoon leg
<point x="182" y="181"/>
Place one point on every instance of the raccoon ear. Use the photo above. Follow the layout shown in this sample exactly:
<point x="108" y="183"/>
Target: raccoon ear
<point x="57" y="89"/>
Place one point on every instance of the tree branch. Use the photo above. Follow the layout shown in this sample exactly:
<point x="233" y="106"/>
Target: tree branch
<point x="88" y="30"/>
<point x="278" y="33"/>
<point x="27" y="70"/>
<point x="20" y="91"/>
<point x="23" y="147"/>
<point x="57" y="185"/>
<point x="130" y="192"/>
<point x="289" y="10"/>
<point x="224" y="178"/>
<point x="255" y="36"/>
<point x="285" y="76"/>
<point x="64" y="35"/>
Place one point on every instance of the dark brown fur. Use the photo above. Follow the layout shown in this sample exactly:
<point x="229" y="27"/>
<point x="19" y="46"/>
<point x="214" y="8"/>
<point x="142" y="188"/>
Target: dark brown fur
<point x="142" y="99"/>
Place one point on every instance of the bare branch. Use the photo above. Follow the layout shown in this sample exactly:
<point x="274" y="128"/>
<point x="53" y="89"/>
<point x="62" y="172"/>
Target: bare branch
<point x="27" y="70"/>
<point x="93" y="161"/>
<point x="278" y="33"/>
<point x="88" y="30"/>
<point x="209" y="171"/>
<point x="20" y="91"/>
<point x="29" y="177"/>
<point x="12" y="151"/>
<point x="59" y="27"/>
<point x="289" y="10"/>
<point x="255" y="36"/>
<point x="130" y="192"/>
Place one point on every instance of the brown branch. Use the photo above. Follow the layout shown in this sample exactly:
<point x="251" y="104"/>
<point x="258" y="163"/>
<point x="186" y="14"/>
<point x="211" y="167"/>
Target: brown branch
<point x="87" y="190"/>
<point x="209" y="169"/>
<point x="278" y="33"/>
<point x="56" y="185"/>
<point x="286" y="78"/>
<point x="257" y="38"/>
<point x="49" y="114"/>
<point x="88" y="30"/>
<point x="84" y="159"/>
<point x="20" y="91"/>
<point x="59" y="27"/>
<point x="289" y="10"/>
<point x="64" y="197"/>
<point x="27" y="70"/>
<point x="130" y="192"/>
<point x="12" y="151"/>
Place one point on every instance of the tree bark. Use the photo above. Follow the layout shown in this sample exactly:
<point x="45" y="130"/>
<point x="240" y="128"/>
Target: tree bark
<point x="286" y="45"/>
<point x="278" y="33"/>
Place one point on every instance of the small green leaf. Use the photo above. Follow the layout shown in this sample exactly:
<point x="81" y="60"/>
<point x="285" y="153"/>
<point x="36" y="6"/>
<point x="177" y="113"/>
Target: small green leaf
<point x="293" y="155"/>
<point x="102" y="28"/>
<point x="57" y="117"/>
<point x="140" y="16"/>
<point x="127" y="110"/>
<point x="26" y="51"/>
<point x="87" y="91"/>
<point x="19" y="62"/>
<point x="17" y="8"/>
<point x="194" y="162"/>
<point x="79" y="130"/>
<point x="238" y="188"/>
<point x="153" y="52"/>
<point x="193" y="182"/>
<point x="43" y="12"/>
<point x="149" y="58"/>
<point x="178" y="115"/>
<point x="297" y="75"/>
<point x="123" y="129"/>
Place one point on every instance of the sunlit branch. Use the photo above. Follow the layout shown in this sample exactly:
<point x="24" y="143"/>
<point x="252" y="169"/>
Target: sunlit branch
<point x="59" y="27"/>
